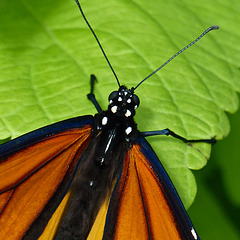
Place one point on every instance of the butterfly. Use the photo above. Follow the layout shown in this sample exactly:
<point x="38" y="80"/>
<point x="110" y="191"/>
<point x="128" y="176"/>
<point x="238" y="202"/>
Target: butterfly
<point x="91" y="177"/>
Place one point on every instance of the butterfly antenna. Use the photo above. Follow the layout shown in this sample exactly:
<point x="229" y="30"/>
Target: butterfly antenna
<point x="99" y="44"/>
<point x="170" y="59"/>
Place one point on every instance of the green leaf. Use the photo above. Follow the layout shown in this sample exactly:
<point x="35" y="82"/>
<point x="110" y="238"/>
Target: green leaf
<point x="48" y="54"/>
<point x="213" y="213"/>
<point x="217" y="207"/>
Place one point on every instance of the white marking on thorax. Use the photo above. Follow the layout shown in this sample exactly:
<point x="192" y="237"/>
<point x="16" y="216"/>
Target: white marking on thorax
<point x="109" y="142"/>
<point x="104" y="121"/>
<point x="114" y="109"/>
<point x="128" y="130"/>
<point x="128" y="113"/>
<point x="193" y="232"/>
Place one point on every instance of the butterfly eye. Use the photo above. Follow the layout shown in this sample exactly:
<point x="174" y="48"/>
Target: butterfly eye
<point x="112" y="96"/>
<point x="135" y="101"/>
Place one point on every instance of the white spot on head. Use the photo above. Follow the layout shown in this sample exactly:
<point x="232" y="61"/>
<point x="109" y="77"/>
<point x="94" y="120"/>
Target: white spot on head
<point x="128" y="113"/>
<point x="128" y="130"/>
<point x="104" y="121"/>
<point x="119" y="99"/>
<point x="114" y="109"/>
<point x="125" y="93"/>
<point x="129" y="100"/>
<point x="193" y="232"/>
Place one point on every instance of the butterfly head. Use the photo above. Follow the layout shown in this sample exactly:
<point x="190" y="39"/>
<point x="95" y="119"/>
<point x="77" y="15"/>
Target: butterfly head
<point x="123" y="102"/>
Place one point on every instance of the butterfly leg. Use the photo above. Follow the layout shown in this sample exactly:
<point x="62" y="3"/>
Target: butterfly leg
<point x="168" y="132"/>
<point x="91" y="95"/>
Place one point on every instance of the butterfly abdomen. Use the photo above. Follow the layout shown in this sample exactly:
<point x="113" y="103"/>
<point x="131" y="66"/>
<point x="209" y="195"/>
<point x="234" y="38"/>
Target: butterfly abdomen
<point x="93" y="182"/>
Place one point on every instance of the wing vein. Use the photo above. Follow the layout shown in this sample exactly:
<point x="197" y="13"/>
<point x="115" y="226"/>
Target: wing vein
<point x="144" y="205"/>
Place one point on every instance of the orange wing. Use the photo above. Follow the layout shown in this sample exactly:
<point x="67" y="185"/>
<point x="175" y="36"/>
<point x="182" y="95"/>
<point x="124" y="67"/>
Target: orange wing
<point x="34" y="178"/>
<point x="145" y="204"/>
<point x="31" y="176"/>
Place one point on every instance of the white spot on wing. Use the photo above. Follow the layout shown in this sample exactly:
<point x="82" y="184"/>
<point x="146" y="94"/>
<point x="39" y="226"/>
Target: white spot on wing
<point x="129" y="100"/>
<point x="119" y="99"/>
<point x="110" y="101"/>
<point x="104" y="121"/>
<point x="193" y="232"/>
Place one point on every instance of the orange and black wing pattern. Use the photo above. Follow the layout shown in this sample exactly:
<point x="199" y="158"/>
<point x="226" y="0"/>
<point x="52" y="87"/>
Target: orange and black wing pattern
<point x="144" y="204"/>
<point x="36" y="171"/>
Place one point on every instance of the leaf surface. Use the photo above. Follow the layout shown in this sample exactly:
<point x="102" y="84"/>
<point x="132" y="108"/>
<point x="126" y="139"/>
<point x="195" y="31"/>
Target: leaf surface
<point x="48" y="54"/>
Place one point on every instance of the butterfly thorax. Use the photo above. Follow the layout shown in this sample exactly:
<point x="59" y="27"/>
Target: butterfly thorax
<point x="116" y="126"/>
